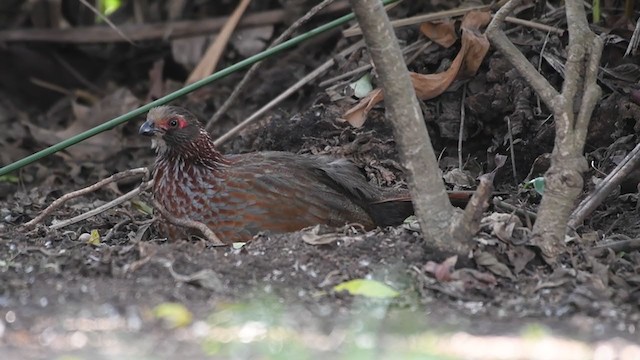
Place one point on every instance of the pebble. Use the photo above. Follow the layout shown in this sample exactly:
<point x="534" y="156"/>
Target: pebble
<point x="84" y="237"/>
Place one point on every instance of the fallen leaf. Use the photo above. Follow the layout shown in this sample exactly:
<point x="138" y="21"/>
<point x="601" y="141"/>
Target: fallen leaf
<point x="538" y="184"/>
<point x="251" y="41"/>
<point x="367" y="288"/>
<point x="519" y="257"/>
<point x="142" y="206"/>
<point x="427" y="86"/>
<point x="100" y="147"/>
<point x="442" y="271"/>
<point x="362" y="87"/>
<point x="459" y="177"/>
<point x="489" y="261"/>
<point x="501" y="225"/>
<point x="319" y="235"/>
<point x="94" y="238"/>
<point x="174" y="314"/>
<point x="441" y="33"/>
<point x="188" y="51"/>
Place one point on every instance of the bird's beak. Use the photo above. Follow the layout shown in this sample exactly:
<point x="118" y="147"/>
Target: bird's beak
<point x="147" y="129"/>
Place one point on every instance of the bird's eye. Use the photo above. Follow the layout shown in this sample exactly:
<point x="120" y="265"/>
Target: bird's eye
<point x="173" y="123"/>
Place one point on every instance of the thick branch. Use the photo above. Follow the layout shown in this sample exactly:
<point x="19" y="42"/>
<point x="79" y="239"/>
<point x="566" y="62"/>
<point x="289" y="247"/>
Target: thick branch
<point x="498" y="39"/>
<point x="433" y="209"/>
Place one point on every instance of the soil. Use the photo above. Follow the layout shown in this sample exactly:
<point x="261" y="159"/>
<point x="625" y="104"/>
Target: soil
<point x="133" y="294"/>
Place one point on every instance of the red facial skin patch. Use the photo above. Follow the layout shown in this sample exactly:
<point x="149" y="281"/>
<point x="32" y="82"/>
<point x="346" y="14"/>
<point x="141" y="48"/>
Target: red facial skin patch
<point x="176" y="122"/>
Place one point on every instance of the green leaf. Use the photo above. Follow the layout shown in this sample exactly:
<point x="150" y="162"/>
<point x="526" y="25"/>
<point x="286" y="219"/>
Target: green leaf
<point x="175" y="314"/>
<point x="367" y="288"/>
<point x="238" y="245"/>
<point x="142" y="206"/>
<point x="94" y="239"/>
<point x="538" y="185"/>
<point x="362" y="87"/>
<point x="595" y="11"/>
<point x="108" y="7"/>
<point x="9" y="178"/>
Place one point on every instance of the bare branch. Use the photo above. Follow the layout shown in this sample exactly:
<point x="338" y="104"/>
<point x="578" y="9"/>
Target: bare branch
<point x="89" y="189"/>
<point x="196" y="225"/>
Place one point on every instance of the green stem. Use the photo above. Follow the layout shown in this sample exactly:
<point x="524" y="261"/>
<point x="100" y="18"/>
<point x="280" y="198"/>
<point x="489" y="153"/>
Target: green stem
<point x="184" y="91"/>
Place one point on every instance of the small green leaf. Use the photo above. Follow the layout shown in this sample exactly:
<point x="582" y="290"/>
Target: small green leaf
<point x="142" y="206"/>
<point x="175" y="314"/>
<point x="595" y="11"/>
<point x="362" y="87"/>
<point x="238" y="245"/>
<point x="9" y="178"/>
<point x="538" y="185"/>
<point x="94" y="239"/>
<point x="367" y="288"/>
<point x="108" y="7"/>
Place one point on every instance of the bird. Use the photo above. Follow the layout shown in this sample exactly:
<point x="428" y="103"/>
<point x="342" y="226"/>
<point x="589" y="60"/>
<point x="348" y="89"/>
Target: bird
<point x="239" y="195"/>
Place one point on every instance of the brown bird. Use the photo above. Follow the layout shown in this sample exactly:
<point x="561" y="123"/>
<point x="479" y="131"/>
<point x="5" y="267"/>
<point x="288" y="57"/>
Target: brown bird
<point x="237" y="196"/>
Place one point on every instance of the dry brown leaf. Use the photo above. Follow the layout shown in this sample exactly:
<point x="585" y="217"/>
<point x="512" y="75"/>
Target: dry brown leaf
<point x="441" y="33"/>
<point x="101" y="146"/>
<point x="443" y="271"/>
<point x="492" y="263"/>
<point x="427" y="86"/>
<point x="213" y="54"/>
<point x="251" y="41"/>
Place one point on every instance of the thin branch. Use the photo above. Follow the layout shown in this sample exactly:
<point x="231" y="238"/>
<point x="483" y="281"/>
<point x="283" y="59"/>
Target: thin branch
<point x="461" y="130"/>
<point x="209" y="61"/>
<point x="100" y="209"/>
<point x="254" y="68"/>
<point x="292" y="89"/>
<point x="368" y="66"/>
<point x="165" y="30"/>
<point x="196" y="225"/>
<point x="605" y="187"/>
<point x="592" y="93"/>
<point x="89" y="189"/>
<point x="546" y="92"/>
<point x="419" y="19"/>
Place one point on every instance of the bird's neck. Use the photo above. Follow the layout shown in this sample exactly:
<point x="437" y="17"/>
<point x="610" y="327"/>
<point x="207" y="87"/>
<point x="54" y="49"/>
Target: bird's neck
<point x="200" y="152"/>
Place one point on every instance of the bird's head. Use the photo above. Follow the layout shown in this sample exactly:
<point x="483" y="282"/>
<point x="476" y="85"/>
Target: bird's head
<point x="173" y="129"/>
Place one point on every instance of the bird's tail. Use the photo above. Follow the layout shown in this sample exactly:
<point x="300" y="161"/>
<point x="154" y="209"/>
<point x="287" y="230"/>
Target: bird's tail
<point x="393" y="211"/>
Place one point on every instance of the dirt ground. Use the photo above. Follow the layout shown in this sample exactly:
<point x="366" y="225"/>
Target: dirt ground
<point x="132" y="294"/>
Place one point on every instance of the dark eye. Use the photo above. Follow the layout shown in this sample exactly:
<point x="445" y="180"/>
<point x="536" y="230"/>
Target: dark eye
<point x="173" y="123"/>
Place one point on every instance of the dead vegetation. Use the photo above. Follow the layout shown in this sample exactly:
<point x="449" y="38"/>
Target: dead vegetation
<point x="529" y="96"/>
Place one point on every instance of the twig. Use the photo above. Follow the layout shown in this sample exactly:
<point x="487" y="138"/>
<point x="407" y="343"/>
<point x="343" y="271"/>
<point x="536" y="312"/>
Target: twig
<point x="499" y="204"/>
<point x="369" y="66"/>
<point x="166" y="30"/>
<point x="461" y="131"/>
<point x="76" y="74"/>
<point x="605" y="187"/>
<point x="254" y="68"/>
<point x="540" y="58"/>
<point x="196" y="225"/>
<point x="100" y="209"/>
<point x="616" y="246"/>
<point x="89" y="189"/>
<point x="419" y="19"/>
<point x="469" y="225"/>
<point x="309" y="77"/>
<point x="209" y="61"/>
<point x="512" y="151"/>
<point x="534" y="25"/>
<point x="635" y="41"/>
<point x="115" y="228"/>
